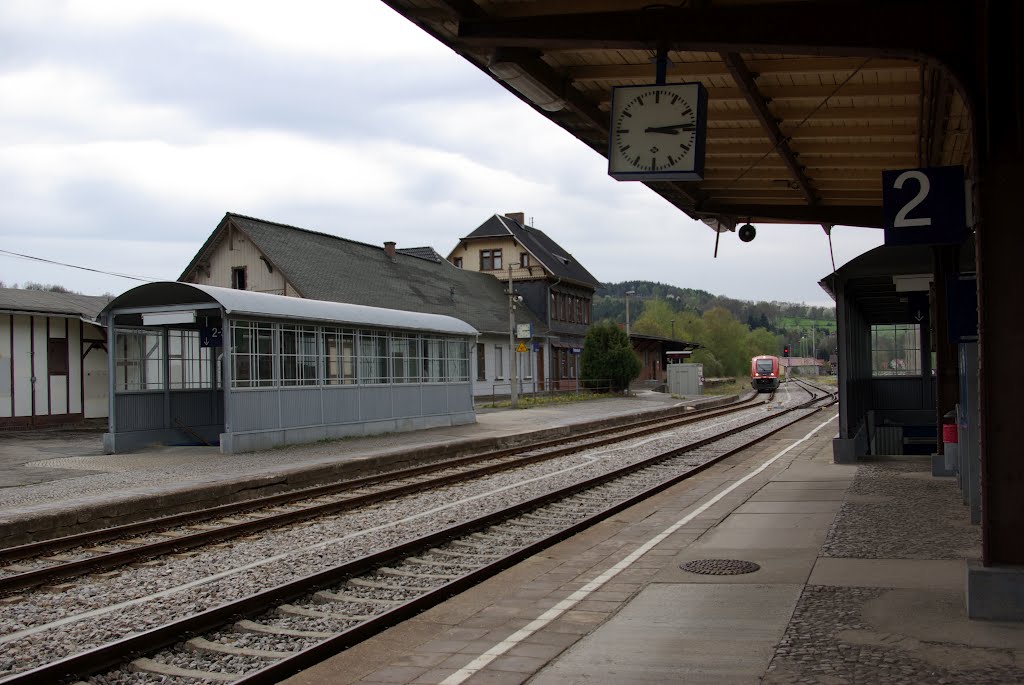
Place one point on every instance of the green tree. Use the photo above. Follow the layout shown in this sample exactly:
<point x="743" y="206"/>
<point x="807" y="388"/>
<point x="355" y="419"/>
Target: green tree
<point x="608" y="357"/>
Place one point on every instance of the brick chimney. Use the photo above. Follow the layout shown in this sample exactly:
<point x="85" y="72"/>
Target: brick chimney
<point x="389" y="248"/>
<point x="517" y="216"/>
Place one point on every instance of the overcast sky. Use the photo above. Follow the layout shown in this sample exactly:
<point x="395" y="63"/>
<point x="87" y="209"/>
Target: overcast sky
<point x="129" y="128"/>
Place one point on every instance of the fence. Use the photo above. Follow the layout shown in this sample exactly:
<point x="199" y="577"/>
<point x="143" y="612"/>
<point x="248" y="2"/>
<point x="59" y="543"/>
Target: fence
<point x="549" y="388"/>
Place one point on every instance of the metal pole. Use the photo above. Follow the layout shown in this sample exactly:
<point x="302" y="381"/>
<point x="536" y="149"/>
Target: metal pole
<point x="627" y="315"/>
<point x="512" y="339"/>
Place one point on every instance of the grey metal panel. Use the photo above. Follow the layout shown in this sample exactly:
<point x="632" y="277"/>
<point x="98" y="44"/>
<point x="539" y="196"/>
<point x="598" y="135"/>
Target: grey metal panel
<point x="254" y="410"/>
<point x="341" y="404"/>
<point x="897" y="393"/>
<point x="300" y="407"/>
<point x="407" y="400"/>
<point x="887" y="440"/>
<point x="374" y="403"/>
<point x="435" y="399"/>
<point x="460" y="397"/>
<point x="139" y="411"/>
<point x="197" y="407"/>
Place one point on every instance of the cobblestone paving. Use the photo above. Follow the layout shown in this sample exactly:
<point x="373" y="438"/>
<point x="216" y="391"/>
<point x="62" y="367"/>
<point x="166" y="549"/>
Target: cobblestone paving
<point x="922" y="517"/>
<point x="828" y="643"/>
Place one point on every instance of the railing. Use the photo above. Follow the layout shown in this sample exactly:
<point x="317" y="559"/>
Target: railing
<point x="550" y="388"/>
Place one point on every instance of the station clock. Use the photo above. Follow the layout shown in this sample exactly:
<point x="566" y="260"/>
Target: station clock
<point x="657" y="132"/>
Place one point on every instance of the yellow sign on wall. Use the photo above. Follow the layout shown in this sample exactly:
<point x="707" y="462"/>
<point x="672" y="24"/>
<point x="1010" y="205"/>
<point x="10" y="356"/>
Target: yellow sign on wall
<point x="521" y="348"/>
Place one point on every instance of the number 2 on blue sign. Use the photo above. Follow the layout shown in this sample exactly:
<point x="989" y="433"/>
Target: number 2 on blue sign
<point x="901" y="220"/>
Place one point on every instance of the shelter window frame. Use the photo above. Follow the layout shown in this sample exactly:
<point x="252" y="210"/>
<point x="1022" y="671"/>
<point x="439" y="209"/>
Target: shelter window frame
<point x="457" y="354"/>
<point x="340" y="359"/>
<point x="188" y="362"/>
<point x="299" y="356"/>
<point x="896" y="350"/>
<point x="252" y="354"/>
<point x="405" y="357"/>
<point x="139" y="360"/>
<point x="433" y="360"/>
<point x="373" y="358"/>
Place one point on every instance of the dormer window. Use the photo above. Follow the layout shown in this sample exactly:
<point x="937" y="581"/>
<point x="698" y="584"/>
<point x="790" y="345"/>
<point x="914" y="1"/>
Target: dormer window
<point x="490" y="260"/>
<point x="238" y="278"/>
<point x="458" y="262"/>
<point x="524" y="260"/>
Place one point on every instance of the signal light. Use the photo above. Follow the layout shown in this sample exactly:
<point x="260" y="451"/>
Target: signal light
<point x="785" y="351"/>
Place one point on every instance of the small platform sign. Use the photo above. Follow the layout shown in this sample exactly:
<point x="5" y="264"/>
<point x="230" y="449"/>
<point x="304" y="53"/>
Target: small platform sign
<point x="524" y="330"/>
<point x="925" y="206"/>
<point x="211" y="336"/>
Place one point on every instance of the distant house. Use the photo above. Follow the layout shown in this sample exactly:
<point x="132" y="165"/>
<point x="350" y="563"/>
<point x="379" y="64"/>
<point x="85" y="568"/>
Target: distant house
<point x="53" y="358"/>
<point x="554" y="285"/>
<point x="247" y="253"/>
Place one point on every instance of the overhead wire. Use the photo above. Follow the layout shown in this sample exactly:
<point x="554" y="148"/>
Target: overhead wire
<point x="76" y="266"/>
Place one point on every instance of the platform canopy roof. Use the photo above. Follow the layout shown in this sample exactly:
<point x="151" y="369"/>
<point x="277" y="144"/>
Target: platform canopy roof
<point x="809" y="100"/>
<point x="246" y="303"/>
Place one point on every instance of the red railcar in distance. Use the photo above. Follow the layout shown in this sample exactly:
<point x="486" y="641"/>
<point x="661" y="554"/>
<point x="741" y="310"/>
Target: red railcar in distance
<point x="764" y="373"/>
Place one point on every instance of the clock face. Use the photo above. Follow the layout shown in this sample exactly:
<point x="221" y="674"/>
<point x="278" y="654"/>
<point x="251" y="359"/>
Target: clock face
<point x="657" y="132"/>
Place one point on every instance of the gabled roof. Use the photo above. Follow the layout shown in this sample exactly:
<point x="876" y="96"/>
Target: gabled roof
<point x="17" y="300"/>
<point x="550" y="254"/>
<point x="325" y="267"/>
<point x="421" y="252"/>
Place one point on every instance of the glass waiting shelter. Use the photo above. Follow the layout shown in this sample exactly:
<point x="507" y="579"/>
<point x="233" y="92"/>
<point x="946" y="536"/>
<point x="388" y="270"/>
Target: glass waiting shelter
<point x="197" y="364"/>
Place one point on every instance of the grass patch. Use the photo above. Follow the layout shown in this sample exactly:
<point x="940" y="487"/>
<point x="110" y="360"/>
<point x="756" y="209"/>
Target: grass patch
<point x="545" y="400"/>
<point x="730" y="386"/>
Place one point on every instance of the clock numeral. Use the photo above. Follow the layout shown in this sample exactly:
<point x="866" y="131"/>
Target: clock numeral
<point x="626" y="113"/>
<point x="687" y="112"/>
<point x="622" y="131"/>
<point x="675" y="99"/>
<point x="623" y="149"/>
<point x="686" y="148"/>
<point x="670" y="160"/>
<point x="657" y="96"/>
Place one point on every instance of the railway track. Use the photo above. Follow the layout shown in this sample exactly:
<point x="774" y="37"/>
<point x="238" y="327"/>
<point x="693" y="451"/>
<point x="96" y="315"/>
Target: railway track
<point x="263" y="637"/>
<point x="48" y="561"/>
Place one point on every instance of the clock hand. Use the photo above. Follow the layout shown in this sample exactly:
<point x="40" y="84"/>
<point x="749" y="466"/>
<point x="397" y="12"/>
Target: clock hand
<point x="674" y="129"/>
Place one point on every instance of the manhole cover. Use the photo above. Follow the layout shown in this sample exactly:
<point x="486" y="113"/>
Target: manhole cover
<point x="720" y="567"/>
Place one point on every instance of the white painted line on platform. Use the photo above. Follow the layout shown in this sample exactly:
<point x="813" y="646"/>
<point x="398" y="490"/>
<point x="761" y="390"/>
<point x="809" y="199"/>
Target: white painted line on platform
<point x="572" y="600"/>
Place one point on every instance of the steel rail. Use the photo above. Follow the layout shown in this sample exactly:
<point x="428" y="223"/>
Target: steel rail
<point x="118" y="558"/>
<point x="107" y="656"/>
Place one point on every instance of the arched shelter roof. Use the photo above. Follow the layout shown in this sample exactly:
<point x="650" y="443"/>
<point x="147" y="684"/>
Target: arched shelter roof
<point x="243" y="303"/>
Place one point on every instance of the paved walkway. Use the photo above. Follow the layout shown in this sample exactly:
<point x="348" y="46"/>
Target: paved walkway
<point x="861" y="580"/>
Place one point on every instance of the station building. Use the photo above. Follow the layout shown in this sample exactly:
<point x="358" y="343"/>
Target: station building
<point x="246" y="253"/>
<point x="53" y="358"/>
<point x="554" y="285"/>
<point x="250" y="371"/>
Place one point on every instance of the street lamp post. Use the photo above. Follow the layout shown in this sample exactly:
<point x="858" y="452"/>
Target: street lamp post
<point x="512" y="340"/>
<point x="629" y="293"/>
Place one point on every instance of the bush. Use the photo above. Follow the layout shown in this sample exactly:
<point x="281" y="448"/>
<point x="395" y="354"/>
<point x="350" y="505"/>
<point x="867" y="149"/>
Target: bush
<point x="608" y="358"/>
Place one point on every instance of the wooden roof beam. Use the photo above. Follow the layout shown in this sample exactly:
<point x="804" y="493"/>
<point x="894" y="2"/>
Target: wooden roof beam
<point x="876" y="28"/>
<point x="842" y="215"/>
<point x="700" y="70"/>
<point x="745" y="81"/>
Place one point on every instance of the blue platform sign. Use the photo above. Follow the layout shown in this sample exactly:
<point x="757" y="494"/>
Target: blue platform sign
<point x="211" y="336"/>
<point x="925" y="206"/>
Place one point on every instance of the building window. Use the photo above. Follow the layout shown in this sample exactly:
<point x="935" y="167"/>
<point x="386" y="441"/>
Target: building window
<point x="554" y="307"/>
<point x="140" y="360"/>
<point x="339" y="356"/>
<point x="298" y="355"/>
<point x="490" y="260"/>
<point x="457" y="262"/>
<point x="895" y="350"/>
<point x="586" y="310"/>
<point x="524" y="260"/>
<point x="57" y="357"/>
<point x="481" y="365"/>
<point x="238" y="278"/>
<point x="572" y="309"/>
<point x="252" y="354"/>
<point x="188" y="362"/>
<point x="499" y="363"/>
